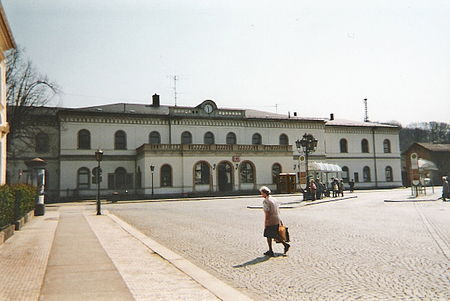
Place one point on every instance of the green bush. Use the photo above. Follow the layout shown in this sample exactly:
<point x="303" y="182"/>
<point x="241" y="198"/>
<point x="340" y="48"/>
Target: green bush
<point x="15" y="202"/>
<point x="6" y="206"/>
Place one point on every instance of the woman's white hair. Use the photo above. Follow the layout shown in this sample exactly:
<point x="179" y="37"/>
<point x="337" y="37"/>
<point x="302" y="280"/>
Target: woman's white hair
<point x="265" y="189"/>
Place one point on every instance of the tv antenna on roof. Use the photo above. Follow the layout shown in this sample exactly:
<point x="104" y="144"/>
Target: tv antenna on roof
<point x="366" y="117"/>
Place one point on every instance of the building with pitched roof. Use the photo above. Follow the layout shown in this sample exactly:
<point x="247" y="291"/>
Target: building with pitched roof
<point x="172" y="150"/>
<point x="434" y="161"/>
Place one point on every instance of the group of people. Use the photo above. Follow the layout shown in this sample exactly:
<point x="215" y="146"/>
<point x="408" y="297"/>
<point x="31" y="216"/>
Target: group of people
<point x="317" y="190"/>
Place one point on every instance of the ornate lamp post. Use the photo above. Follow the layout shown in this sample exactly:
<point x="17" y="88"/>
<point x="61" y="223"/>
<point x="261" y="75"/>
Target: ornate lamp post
<point x="98" y="157"/>
<point x="307" y="144"/>
<point x="152" y="168"/>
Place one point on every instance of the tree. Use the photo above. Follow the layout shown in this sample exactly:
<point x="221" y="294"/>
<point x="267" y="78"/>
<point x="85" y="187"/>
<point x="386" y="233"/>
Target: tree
<point x="428" y="132"/>
<point x="27" y="89"/>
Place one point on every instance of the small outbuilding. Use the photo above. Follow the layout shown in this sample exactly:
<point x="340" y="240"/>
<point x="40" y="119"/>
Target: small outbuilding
<point x="434" y="162"/>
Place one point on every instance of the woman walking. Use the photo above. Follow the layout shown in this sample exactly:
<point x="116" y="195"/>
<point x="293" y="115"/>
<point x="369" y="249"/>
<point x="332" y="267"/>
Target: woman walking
<point x="271" y="220"/>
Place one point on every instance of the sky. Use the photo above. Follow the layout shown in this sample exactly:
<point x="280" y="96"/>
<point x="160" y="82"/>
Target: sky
<point x="313" y="57"/>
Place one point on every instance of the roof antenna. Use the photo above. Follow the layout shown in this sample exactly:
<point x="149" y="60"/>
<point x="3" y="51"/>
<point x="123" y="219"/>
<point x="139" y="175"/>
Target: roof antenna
<point x="175" y="78"/>
<point x="366" y="117"/>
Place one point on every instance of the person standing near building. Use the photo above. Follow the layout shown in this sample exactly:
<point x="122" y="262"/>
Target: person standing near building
<point x="312" y="189"/>
<point x="335" y="187"/>
<point x="320" y="189"/>
<point x="445" y="189"/>
<point x="271" y="220"/>
<point x="352" y="185"/>
<point x="341" y="187"/>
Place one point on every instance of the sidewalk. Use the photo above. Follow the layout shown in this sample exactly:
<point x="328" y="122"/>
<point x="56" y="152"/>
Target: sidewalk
<point x="73" y="254"/>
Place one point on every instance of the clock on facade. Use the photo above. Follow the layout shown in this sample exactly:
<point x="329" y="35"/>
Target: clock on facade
<point x="208" y="108"/>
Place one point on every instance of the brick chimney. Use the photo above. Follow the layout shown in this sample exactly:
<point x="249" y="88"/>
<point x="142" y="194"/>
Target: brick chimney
<point x="155" y="99"/>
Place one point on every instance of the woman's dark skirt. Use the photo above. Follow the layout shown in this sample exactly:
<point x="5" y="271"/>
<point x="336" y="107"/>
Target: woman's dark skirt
<point x="271" y="231"/>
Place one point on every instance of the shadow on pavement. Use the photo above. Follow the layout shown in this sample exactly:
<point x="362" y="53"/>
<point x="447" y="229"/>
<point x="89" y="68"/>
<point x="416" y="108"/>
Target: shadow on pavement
<point x="253" y="261"/>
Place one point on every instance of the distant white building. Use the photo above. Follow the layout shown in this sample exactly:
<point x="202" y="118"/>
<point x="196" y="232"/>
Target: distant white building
<point x="200" y="150"/>
<point x="6" y="43"/>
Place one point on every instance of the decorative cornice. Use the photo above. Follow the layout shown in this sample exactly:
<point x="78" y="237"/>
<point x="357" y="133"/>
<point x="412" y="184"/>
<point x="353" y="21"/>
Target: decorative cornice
<point x="114" y="119"/>
<point x="117" y="119"/>
<point x="214" y="148"/>
<point x="248" y="123"/>
<point x="364" y="158"/>
<point x="359" y="130"/>
<point x="92" y="157"/>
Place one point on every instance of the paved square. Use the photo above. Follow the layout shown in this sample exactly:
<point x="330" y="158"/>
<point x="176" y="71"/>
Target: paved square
<point x="356" y="249"/>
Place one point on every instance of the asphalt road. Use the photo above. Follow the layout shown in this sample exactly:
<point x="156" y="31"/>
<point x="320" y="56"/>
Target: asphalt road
<point x="355" y="249"/>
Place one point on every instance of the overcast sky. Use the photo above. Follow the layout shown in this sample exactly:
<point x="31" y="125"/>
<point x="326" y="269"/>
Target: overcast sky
<point x="314" y="57"/>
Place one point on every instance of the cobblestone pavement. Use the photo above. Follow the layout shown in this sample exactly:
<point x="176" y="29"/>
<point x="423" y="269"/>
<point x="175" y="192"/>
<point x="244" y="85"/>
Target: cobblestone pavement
<point x="22" y="268"/>
<point x="356" y="249"/>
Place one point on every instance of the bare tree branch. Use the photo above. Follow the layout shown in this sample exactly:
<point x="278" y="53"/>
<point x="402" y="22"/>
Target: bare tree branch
<point x="27" y="89"/>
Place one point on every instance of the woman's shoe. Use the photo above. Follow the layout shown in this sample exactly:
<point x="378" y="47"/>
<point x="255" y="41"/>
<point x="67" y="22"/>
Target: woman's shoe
<point x="269" y="253"/>
<point x="286" y="248"/>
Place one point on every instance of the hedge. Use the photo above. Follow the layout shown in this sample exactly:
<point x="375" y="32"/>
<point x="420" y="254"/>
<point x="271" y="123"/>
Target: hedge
<point x="15" y="202"/>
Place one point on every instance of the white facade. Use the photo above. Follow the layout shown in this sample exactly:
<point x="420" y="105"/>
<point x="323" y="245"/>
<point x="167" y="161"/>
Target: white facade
<point x="375" y="157"/>
<point x="6" y="43"/>
<point x="208" y="162"/>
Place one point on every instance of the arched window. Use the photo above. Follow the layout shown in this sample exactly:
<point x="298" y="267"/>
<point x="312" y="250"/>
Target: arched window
<point x="42" y="143"/>
<point x="231" y="138"/>
<point x="345" y="174"/>
<point x="208" y="138"/>
<point x="120" y="140"/>
<point x="343" y="145"/>
<point x="387" y="145"/>
<point x="284" y="140"/>
<point x="154" y="138"/>
<point x="247" y="172"/>
<point x="186" y="138"/>
<point x="202" y="173"/>
<point x="256" y="139"/>
<point x="366" y="174"/>
<point x="84" y="139"/>
<point x="388" y="173"/>
<point x="166" y="176"/>
<point x="121" y="175"/>
<point x="364" y="146"/>
<point x="276" y="170"/>
<point x="120" y="179"/>
<point x="83" y="178"/>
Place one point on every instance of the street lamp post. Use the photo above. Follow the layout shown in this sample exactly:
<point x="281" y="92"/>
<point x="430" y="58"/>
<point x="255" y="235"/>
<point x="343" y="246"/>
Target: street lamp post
<point x="307" y="144"/>
<point x="152" y="168"/>
<point x="98" y="157"/>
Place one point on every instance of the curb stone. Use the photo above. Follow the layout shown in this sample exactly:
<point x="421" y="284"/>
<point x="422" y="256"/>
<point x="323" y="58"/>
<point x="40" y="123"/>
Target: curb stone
<point x="217" y="287"/>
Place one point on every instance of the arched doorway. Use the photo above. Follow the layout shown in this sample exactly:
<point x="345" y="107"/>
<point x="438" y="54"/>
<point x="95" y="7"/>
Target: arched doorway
<point x="225" y="176"/>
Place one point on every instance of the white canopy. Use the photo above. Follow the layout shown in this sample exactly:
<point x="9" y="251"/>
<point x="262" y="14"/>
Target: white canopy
<point x="324" y="167"/>
<point x="426" y="165"/>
